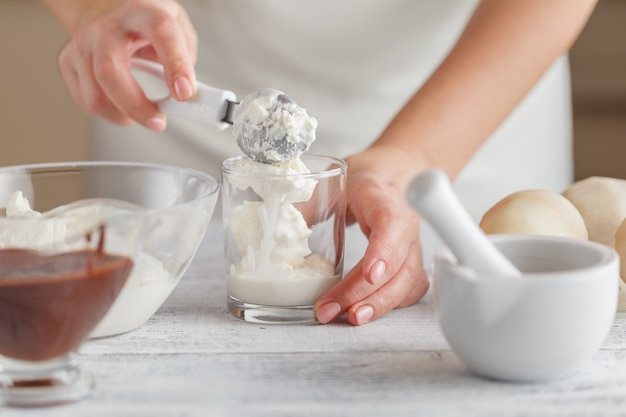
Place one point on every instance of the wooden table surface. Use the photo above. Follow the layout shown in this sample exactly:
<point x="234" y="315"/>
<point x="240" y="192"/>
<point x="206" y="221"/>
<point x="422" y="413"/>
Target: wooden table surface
<point x="194" y="359"/>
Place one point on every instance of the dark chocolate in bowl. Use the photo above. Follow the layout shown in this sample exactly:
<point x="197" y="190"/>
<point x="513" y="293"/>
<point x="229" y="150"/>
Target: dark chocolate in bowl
<point x="50" y="303"/>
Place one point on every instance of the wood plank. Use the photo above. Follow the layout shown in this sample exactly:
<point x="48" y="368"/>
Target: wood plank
<point x="333" y="383"/>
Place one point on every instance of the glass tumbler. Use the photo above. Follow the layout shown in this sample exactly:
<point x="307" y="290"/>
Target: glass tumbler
<point x="283" y="235"/>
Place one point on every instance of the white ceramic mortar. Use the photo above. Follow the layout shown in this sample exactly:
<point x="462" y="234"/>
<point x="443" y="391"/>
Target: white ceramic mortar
<point x="545" y="325"/>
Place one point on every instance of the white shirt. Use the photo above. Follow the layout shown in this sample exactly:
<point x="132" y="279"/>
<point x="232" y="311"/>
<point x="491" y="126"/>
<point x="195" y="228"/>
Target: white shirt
<point x="352" y="64"/>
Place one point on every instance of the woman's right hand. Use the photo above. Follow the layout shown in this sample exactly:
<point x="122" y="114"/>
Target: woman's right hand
<point x="95" y="64"/>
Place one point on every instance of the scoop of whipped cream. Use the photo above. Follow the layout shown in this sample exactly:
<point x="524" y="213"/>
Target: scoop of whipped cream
<point x="272" y="231"/>
<point x="274" y="180"/>
<point x="61" y="228"/>
<point x="272" y="128"/>
<point x="277" y="265"/>
<point x="35" y="234"/>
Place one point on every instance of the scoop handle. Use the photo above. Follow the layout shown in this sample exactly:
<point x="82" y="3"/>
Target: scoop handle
<point x="432" y="195"/>
<point x="208" y="105"/>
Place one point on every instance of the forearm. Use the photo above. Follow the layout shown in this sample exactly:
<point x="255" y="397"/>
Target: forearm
<point x="503" y="52"/>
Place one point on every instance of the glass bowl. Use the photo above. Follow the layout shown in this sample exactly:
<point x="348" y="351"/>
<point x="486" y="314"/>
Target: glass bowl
<point x="176" y="203"/>
<point x="52" y="295"/>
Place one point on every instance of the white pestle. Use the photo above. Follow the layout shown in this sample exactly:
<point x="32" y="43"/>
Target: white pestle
<point x="432" y="195"/>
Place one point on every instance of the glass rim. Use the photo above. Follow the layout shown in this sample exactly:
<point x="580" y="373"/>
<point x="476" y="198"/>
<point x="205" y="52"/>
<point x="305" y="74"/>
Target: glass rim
<point x="341" y="168"/>
<point x="213" y="184"/>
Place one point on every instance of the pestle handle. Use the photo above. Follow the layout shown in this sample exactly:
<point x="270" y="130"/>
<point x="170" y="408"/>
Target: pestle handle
<point x="433" y="196"/>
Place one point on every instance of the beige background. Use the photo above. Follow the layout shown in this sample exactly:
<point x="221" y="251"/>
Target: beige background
<point x="40" y="123"/>
<point x="599" y="85"/>
<point x="38" y="120"/>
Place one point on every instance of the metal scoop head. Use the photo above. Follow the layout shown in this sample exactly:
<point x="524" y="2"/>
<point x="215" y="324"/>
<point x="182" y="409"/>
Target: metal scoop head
<point x="271" y="128"/>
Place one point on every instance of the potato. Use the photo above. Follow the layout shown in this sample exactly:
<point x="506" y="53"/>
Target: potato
<point x="602" y="203"/>
<point x="539" y="212"/>
<point x="620" y="248"/>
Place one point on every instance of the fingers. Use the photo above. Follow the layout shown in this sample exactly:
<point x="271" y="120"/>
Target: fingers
<point x="364" y="301"/>
<point x="111" y="73"/>
<point x="392" y="227"/>
<point x="407" y="287"/>
<point x="174" y="42"/>
<point x="95" y="63"/>
<point x="86" y="92"/>
<point x="391" y="273"/>
<point x="388" y="247"/>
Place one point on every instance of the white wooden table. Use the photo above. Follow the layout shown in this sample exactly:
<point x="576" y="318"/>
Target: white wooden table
<point x="193" y="359"/>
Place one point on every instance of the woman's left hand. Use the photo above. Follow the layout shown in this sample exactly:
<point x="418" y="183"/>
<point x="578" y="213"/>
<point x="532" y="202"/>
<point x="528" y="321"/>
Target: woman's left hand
<point x="390" y="274"/>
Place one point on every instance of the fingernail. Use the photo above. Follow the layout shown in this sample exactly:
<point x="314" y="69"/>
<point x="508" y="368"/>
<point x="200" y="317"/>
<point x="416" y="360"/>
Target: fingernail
<point x="156" y="123"/>
<point x="183" y="88"/>
<point x="377" y="271"/>
<point x="364" y="314"/>
<point x="327" y="312"/>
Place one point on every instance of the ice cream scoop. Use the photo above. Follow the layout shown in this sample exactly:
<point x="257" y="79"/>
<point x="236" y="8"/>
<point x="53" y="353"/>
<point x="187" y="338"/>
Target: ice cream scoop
<point x="432" y="195"/>
<point x="268" y="125"/>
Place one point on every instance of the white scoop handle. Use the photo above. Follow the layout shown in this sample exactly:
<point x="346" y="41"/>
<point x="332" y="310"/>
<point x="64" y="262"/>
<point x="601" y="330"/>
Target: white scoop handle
<point x="209" y="105"/>
<point x="433" y="196"/>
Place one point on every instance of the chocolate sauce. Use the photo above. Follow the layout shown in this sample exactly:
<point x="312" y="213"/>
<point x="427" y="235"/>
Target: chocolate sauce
<point x="50" y="304"/>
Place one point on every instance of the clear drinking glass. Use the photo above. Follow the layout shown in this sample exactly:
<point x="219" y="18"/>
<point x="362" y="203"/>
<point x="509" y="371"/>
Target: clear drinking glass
<point x="283" y="237"/>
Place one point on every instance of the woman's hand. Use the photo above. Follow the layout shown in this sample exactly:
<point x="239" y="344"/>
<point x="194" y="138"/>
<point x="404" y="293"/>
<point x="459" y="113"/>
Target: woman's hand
<point x="104" y="34"/>
<point x="504" y="50"/>
<point x="390" y="274"/>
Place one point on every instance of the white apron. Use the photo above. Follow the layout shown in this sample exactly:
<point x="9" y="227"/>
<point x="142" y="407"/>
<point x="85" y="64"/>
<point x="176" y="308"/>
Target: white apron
<point x="352" y="64"/>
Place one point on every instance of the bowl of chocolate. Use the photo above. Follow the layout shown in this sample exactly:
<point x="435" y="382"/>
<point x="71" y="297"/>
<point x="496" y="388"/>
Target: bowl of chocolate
<point x="50" y="299"/>
<point x="87" y="249"/>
